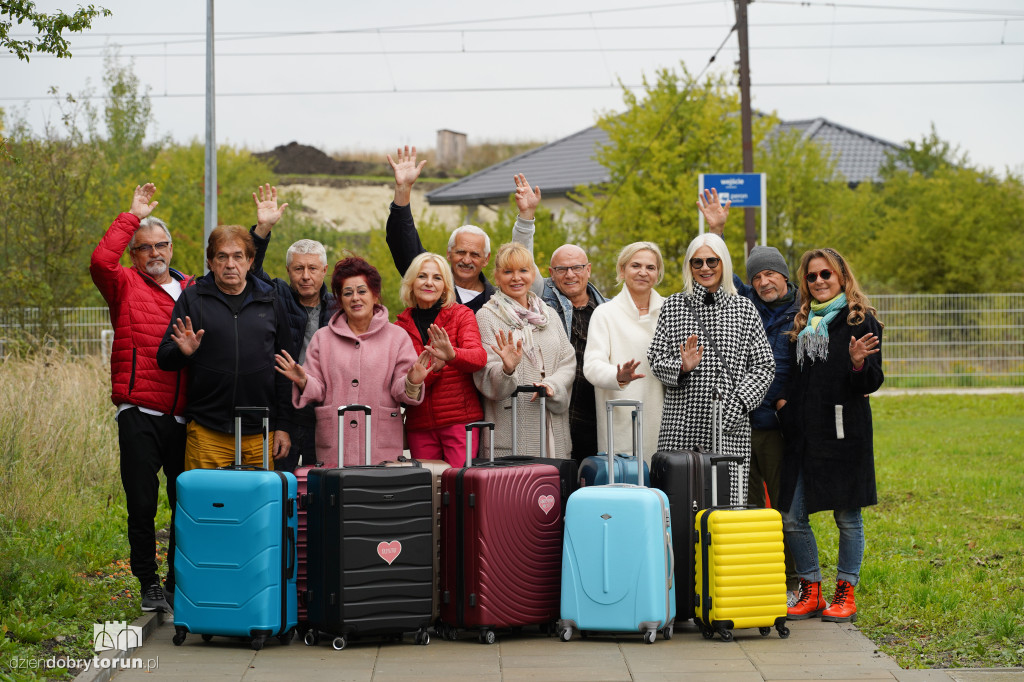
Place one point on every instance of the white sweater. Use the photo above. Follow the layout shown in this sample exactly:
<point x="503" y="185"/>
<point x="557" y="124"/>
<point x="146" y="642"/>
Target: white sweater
<point x="618" y="334"/>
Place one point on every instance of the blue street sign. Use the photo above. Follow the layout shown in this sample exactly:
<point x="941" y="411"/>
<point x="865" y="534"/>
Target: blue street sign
<point x="743" y="189"/>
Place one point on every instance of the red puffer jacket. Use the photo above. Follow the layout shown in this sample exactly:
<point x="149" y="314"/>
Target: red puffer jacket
<point x="140" y="311"/>
<point x="450" y="396"/>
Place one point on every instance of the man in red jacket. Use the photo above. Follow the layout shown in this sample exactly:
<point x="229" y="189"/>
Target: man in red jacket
<point x="149" y="400"/>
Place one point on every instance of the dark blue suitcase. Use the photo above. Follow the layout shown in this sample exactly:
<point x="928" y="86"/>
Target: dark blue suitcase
<point x="234" y="559"/>
<point x="594" y="470"/>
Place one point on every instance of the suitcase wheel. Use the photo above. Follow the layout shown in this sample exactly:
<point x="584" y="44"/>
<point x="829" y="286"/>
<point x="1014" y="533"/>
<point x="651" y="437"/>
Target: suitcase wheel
<point x="339" y="643"/>
<point x="707" y="632"/>
<point x="783" y="631"/>
<point x="286" y="638"/>
<point x="565" y="634"/>
<point x="179" y="635"/>
<point x="726" y="635"/>
<point x="487" y="637"/>
<point x="312" y="637"/>
<point x="667" y="632"/>
<point x="423" y="637"/>
<point x="650" y="636"/>
<point x="765" y="631"/>
<point x="257" y="642"/>
<point x="207" y="638"/>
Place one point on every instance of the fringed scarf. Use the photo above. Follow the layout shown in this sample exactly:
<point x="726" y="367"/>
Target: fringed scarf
<point x="520" y="320"/>
<point x="812" y="342"/>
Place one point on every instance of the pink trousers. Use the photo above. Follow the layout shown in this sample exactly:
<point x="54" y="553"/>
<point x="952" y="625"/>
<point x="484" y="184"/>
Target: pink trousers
<point x="447" y="443"/>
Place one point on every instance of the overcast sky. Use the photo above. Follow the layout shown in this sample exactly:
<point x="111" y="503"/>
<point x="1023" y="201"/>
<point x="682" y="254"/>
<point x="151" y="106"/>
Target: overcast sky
<point x="371" y="75"/>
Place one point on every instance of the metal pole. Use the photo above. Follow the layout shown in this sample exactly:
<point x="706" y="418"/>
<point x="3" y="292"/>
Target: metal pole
<point x="748" y="145"/>
<point x="210" y="183"/>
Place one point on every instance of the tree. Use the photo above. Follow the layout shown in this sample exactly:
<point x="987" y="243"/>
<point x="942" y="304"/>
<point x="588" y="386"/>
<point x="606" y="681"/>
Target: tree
<point x="49" y="27"/>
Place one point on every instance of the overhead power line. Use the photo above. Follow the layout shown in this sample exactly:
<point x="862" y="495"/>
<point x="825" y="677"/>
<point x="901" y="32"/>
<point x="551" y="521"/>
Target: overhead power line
<point x="904" y="8"/>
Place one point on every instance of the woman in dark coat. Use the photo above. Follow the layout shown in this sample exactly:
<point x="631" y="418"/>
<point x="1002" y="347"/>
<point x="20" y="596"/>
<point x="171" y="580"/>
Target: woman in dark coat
<point x="836" y="361"/>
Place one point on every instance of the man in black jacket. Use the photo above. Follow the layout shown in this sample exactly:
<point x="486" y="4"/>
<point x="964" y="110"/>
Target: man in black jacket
<point x="307" y="302"/>
<point x="226" y="330"/>
<point x="469" y="248"/>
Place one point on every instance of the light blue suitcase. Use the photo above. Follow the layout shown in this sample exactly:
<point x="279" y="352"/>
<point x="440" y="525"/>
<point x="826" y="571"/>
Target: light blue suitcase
<point x="617" y="557"/>
<point x="234" y="561"/>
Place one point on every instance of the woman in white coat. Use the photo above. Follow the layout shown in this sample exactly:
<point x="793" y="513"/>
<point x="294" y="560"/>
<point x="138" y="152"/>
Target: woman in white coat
<point x="615" y="361"/>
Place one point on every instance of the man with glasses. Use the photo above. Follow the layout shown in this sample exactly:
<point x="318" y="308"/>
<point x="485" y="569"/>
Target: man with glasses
<point x="777" y="301"/>
<point x="568" y="290"/>
<point x="150" y="401"/>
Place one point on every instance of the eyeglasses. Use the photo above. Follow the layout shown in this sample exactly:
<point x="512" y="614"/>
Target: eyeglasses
<point x="698" y="263"/>
<point x="562" y="269"/>
<point x="147" y="248"/>
<point x="812" y="277"/>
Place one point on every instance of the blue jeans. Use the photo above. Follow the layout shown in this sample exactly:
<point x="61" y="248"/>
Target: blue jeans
<point x="804" y="549"/>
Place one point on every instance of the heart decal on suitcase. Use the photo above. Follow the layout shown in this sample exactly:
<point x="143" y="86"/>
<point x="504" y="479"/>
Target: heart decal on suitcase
<point x="546" y="502"/>
<point x="389" y="551"/>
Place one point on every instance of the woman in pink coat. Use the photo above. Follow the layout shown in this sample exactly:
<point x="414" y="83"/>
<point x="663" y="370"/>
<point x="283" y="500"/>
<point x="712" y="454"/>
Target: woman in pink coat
<point x="358" y="358"/>
<point x="436" y="428"/>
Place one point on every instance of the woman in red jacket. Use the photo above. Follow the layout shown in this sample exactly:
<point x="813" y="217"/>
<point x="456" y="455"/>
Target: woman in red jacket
<point x="436" y="428"/>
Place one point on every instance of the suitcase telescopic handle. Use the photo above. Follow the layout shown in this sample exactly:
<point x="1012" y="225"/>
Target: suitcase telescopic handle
<point x="543" y="393"/>
<point x="638" y="436"/>
<point x="469" y="439"/>
<point x="341" y="431"/>
<point x="265" y="411"/>
<point x="717" y="459"/>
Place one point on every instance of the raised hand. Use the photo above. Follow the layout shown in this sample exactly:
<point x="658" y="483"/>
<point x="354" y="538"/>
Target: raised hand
<point x="406" y="173"/>
<point x="142" y="201"/>
<point x="440" y="344"/>
<point x="714" y="212"/>
<point x="861" y="348"/>
<point x="691" y="353"/>
<point x="511" y="353"/>
<point x="291" y="369"/>
<point x="267" y="210"/>
<point x="527" y="199"/>
<point x="188" y="341"/>
<point x="420" y="369"/>
<point x="626" y="372"/>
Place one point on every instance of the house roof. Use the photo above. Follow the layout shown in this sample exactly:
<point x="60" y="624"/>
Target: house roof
<point x="563" y="165"/>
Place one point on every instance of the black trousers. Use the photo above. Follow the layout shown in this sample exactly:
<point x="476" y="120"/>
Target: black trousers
<point x="149" y="443"/>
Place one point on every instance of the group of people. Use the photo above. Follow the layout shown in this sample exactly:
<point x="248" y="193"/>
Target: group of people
<point x="788" y="366"/>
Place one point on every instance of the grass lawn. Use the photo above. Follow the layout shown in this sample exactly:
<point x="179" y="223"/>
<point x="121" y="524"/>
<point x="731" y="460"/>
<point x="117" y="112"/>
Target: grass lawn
<point x="943" y="578"/>
<point x="942" y="583"/>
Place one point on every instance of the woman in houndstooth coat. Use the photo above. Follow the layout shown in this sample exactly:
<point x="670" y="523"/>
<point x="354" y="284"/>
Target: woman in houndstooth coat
<point x="683" y="359"/>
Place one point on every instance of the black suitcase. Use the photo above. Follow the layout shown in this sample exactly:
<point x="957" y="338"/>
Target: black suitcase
<point x="568" y="469"/>
<point x="371" y="549"/>
<point x="692" y="481"/>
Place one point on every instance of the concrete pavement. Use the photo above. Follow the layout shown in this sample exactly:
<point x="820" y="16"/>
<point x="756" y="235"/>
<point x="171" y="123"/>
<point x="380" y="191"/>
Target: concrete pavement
<point x="814" y="651"/>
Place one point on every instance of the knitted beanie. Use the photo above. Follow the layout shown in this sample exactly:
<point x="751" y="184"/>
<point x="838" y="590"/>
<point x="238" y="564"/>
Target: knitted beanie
<point x="766" y="258"/>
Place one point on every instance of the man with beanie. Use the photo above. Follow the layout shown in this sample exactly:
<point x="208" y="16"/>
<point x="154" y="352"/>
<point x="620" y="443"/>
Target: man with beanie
<point x="777" y="301"/>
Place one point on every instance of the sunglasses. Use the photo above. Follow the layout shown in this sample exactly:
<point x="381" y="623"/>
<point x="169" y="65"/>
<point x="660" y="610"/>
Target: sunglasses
<point x="812" y="277"/>
<point x="147" y="248"/>
<point x="698" y="263"/>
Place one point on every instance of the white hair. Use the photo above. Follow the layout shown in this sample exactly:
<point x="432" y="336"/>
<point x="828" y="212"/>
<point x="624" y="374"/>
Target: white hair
<point x="150" y="224"/>
<point x="304" y="246"/>
<point x="715" y="243"/>
<point x="470" y="229"/>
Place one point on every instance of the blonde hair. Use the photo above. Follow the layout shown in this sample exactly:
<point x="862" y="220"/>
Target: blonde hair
<point x="630" y="250"/>
<point x="513" y="255"/>
<point x="413" y="271"/>
<point x="716" y="244"/>
<point x="856" y="299"/>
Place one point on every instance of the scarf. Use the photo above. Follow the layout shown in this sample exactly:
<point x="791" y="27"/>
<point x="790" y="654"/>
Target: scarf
<point x="812" y="342"/>
<point x="521" y="321"/>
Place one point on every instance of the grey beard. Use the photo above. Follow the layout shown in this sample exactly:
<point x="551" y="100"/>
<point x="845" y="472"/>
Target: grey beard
<point x="156" y="268"/>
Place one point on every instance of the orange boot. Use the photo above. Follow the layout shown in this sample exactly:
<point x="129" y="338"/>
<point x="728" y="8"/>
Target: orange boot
<point x="810" y="604"/>
<point x="844" y="608"/>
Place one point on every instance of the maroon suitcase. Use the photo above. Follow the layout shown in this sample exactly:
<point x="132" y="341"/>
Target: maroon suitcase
<point x="501" y="540"/>
<point x="301" y="544"/>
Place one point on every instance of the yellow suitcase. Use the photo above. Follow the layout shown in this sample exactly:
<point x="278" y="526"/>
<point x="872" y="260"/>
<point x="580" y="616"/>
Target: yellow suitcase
<point x="740" y="572"/>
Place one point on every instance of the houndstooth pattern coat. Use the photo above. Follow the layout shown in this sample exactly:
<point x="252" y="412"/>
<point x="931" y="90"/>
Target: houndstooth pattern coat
<point x="686" y="417"/>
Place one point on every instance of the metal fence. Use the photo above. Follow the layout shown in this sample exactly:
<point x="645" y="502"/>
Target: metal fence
<point x="930" y="341"/>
